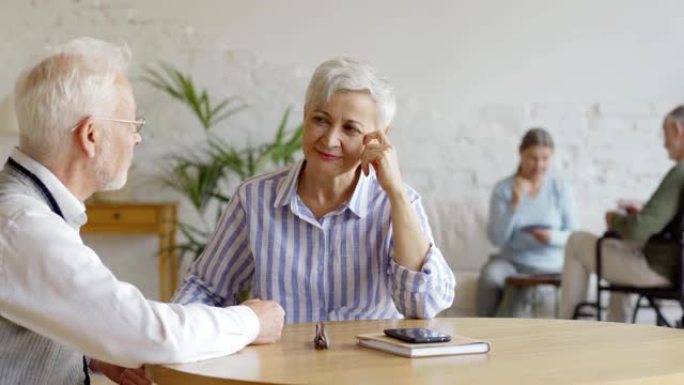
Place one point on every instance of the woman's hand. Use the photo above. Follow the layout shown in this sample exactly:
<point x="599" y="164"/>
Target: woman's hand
<point x="521" y="188"/>
<point x="542" y="236"/>
<point x="411" y="245"/>
<point x="380" y="153"/>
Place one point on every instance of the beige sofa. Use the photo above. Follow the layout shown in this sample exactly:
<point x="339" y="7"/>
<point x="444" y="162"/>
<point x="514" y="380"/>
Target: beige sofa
<point x="459" y="229"/>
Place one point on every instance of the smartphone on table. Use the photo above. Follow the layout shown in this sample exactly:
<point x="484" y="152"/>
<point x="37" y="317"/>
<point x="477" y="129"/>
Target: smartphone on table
<point x="417" y="335"/>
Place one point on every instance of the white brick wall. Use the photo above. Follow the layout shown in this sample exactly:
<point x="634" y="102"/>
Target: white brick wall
<point x="471" y="77"/>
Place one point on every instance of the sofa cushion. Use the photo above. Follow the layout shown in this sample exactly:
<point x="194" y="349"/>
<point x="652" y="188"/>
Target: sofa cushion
<point x="459" y="229"/>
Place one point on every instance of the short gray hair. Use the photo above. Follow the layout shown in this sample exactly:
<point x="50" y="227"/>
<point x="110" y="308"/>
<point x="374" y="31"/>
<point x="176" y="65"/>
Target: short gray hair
<point x="73" y="81"/>
<point x="344" y="74"/>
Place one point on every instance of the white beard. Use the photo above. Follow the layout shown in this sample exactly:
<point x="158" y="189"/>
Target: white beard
<point x="105" y="181"/>
<point x="117" y="182"/>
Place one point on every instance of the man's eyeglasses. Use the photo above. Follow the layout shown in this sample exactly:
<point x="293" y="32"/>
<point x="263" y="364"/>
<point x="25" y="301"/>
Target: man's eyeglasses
<point x="139" y="122"/>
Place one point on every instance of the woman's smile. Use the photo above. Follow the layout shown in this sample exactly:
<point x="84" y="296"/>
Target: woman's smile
<point x="328" y="156"/>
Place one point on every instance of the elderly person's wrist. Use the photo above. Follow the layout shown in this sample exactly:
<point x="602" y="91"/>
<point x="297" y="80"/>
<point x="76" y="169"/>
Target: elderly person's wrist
<point x="516" y="201"/>
<point x="397" y="194"/>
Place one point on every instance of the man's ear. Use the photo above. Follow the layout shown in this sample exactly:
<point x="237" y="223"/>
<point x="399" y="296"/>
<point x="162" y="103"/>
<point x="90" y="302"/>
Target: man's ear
<point x="679" y="127"/>
<point x="86" y="136"/>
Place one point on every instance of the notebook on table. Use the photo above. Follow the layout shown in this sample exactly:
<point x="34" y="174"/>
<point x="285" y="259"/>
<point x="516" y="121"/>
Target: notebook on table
<point x="457" y="345"/>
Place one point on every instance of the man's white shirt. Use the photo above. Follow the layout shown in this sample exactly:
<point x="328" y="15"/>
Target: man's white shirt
<point x="56" y="286"/>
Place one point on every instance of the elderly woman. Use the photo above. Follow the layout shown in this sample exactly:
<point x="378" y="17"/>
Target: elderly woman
<point x="337" y="236"/>
<point x="531" y="215"/>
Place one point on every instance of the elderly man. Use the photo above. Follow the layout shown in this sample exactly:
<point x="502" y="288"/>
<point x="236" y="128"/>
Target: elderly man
<point x="76" y="115"/>
<point x="624" y="261"/>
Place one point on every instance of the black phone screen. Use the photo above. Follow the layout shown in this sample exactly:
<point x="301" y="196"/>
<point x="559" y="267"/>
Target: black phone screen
<point x="417" y="335"/>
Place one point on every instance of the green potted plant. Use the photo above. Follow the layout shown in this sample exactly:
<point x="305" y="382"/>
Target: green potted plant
<point x="202" y="174"/>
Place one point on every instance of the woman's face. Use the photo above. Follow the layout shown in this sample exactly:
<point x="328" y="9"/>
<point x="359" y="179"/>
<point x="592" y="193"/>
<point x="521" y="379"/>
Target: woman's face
<point x="534" y="161"/>
<point x="332" y="140"/>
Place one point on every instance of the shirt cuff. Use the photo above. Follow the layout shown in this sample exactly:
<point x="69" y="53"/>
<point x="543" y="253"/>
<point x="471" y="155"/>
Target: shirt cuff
<point x="251" y="321"/>
<point x="414" y="281"/>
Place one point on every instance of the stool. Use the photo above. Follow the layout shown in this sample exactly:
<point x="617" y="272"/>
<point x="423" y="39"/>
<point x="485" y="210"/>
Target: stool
<point x="533" y="280"/>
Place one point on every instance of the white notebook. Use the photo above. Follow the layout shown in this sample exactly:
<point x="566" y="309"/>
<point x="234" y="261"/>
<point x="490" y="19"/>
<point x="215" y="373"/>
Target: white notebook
<point x="457" y="345"/>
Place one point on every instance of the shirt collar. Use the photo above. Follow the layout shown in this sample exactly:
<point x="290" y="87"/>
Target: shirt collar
<point x="72" y="209"/>
<point x="358" y="203"/>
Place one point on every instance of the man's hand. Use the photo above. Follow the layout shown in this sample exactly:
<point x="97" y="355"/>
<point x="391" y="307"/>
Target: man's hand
<point x="633" y="209"/>
<point x="542" y="236"/>
<point x="630" y="206"/>
<point x="121" y="375"/>
<point x="609" y="218"/>
<point x="135" y="377"/>
<point x="271" y="318"/>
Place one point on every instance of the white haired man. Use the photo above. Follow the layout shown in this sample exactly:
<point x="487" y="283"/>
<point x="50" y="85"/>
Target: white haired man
<point x="58" y="302"/>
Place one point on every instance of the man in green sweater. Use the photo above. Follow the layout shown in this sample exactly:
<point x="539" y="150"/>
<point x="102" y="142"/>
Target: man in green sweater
<point x="623" y="260"/>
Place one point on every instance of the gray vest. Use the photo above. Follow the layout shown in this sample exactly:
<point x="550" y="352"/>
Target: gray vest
<point x="26" y="357"/>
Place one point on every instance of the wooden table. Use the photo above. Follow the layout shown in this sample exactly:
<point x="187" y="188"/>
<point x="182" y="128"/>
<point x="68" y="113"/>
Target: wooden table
<point x="141" y="218"/>
<point x="524" y="352"/>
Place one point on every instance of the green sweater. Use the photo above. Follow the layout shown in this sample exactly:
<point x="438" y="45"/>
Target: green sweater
<point x="657" y="213"/>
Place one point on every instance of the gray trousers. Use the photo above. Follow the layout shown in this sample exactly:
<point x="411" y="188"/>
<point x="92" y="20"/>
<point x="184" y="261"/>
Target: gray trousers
<point x="494" y="299"/>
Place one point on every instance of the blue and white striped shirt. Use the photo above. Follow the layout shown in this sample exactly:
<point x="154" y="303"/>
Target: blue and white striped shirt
<point x="338" y="268"/>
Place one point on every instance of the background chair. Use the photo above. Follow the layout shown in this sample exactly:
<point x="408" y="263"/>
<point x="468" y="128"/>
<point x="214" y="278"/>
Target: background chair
<point x="668" y="244"/>
<point x="534" y="281"/>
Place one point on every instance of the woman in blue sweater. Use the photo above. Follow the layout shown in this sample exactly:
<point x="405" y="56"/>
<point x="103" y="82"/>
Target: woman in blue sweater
<point x="531" y="215"/>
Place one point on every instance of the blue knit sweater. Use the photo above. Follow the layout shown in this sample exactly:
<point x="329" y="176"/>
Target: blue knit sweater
<point x="552" y="207"/>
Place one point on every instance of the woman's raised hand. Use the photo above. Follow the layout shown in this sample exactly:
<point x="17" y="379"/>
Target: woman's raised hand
<point x="521" y="187"/>
<point x="379" y="153"/>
